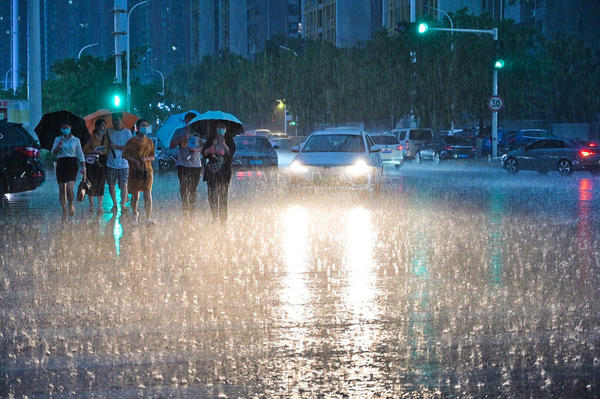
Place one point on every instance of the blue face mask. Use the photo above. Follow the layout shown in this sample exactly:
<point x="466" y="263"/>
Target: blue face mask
<point x="221" y="131"/>
<point x="66" y="132"/>
<point x="145" y="130"/>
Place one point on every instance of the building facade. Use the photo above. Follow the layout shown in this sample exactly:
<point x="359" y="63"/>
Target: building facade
<point x="241" y="27"/>
<point x="344" y="23"/>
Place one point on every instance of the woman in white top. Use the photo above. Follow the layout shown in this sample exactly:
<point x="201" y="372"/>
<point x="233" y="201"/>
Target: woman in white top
<point x="68" y="150"/>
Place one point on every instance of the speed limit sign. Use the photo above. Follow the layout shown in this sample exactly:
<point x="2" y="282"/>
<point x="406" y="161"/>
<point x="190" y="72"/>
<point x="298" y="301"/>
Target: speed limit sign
<point x="495" y="103"/>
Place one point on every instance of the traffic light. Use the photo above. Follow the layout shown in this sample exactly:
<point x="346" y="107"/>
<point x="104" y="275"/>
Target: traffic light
<point x="422" y="28"/>
<point x="116" y="98"/>
<point x="412" y="28"/>
<point x="293" y="123"/>
<point x="498" y="61"/>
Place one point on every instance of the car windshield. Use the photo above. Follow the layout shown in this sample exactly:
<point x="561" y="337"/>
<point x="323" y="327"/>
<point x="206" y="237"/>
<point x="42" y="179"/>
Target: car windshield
<point x="252" y="143"/>
<point x="453" y="140"/>
<point x="334" y="143"/>
<point x="420" y="135"/>
<point x="384" y="140"/>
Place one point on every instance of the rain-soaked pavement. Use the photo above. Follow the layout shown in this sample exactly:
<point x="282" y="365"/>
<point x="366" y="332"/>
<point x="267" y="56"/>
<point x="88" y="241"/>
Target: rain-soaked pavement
<point x="455" y="282"/>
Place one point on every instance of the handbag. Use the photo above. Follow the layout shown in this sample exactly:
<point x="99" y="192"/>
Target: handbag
<point x="84" y="187"/>
<point x="214" y="165"/>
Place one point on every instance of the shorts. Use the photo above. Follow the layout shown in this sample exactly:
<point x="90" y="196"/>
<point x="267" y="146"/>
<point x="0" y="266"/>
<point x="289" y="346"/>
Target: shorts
<point x="66" y="169"/>
<point x="117" y="175"/>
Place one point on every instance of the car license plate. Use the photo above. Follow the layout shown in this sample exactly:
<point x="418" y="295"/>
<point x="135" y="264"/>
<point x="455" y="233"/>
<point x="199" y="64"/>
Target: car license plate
<point x="256" y="162"/>
<point x="386" y="151"/>
<point x="462" y="155"/>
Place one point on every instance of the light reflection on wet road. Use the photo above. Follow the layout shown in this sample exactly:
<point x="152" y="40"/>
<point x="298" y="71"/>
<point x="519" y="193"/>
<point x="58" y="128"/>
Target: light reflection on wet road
<point x="454" y="282"/>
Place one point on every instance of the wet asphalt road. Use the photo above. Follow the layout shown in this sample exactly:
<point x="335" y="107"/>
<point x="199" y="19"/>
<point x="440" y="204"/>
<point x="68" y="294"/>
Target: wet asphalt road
<point x="457" y="281"/>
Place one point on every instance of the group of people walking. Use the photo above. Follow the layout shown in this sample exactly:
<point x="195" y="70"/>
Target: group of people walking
<point x="117" y="157"/>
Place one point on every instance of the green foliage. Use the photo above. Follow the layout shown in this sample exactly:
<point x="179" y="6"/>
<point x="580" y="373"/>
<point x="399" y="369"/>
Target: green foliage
<point x="87" y="85"/>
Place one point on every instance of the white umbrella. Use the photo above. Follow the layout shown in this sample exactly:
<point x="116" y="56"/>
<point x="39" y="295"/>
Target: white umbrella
<point x="174" y="122"/>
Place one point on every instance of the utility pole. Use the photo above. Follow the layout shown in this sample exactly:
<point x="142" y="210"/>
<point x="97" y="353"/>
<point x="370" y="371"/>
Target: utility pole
<point x="120" y="19"/>
<point x="35" y="65"/>
<point x="413" y="11"/>
<point x="15" y="45"/>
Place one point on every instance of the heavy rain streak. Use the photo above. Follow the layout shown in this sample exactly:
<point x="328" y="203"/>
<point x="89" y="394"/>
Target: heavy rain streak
<point x="299" y="199"/>
<point x="475" y="287"/>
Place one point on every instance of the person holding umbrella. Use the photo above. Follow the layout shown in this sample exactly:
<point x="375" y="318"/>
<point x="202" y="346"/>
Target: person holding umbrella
<point x="218" y="151"/>
<point x="189" y="162"/>
<point x="139" y="152"/>
<point x="68" y="150"/>
<point x="95" y="151"/>
<point x="117" y="170"/>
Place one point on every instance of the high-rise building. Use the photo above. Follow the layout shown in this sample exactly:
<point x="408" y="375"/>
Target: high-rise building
<point x="344" y="23"/>
<point x="241" y="27"/>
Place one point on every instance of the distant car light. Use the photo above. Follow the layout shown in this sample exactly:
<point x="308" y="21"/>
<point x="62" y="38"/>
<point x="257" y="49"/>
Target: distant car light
<point x="586" y="153"/>
<point x="297" y="167"/>
<point x="359" y="168"/>
<point x="400" y="148"/>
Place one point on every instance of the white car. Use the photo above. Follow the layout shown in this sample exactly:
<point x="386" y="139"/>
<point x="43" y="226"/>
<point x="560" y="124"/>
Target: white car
<point x="337" y="157"/>
<point x="391" y="149"/>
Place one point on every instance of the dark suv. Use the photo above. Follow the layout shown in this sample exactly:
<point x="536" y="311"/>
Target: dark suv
<point x="20" y="167"/>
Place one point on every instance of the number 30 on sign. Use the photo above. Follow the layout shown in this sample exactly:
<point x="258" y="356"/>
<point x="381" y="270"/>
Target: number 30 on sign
<point x="495" y="103"/>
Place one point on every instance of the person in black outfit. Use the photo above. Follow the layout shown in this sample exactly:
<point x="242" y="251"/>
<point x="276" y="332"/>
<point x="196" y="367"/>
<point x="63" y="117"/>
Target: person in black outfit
<point x="218" y="152"/>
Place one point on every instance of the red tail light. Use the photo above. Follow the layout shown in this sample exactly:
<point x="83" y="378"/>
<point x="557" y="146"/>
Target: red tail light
<point x="400" y="148"/>
<point x="592" y="145"/>
<point x="28" y="151"/>
<point x="406" y="144"/>
<point x="447" y="147"/>
<point x="586" y="153"/>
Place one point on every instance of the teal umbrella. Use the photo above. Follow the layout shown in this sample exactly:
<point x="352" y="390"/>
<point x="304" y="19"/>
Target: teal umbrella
<point x="207" y="121"/>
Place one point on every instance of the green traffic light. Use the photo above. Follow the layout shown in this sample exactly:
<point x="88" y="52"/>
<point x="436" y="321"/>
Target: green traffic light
<point x="117" y="100"/>
<point x="292" y="123"/>
<point x="499" y="64"/>
<point x="422" y="28"/>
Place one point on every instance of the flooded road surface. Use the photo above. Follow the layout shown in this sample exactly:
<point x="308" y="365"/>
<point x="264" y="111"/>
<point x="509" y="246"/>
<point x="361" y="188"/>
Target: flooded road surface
<point x="454" y="282"/>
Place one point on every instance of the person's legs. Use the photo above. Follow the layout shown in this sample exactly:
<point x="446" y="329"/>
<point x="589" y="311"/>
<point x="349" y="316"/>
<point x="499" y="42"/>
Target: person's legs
<point x="70" y="196"/>
<point x="62" y="196"/>
<point x="111" y="176"/>
<point x="183" y="186"/>
<point x="123" y="177"/>
<point x="223" y="192"/>
<point x="195" y="174"/>
<point x="213" y="198"/>
<point x="148" y="204"/>
<point x="134" y="204"/>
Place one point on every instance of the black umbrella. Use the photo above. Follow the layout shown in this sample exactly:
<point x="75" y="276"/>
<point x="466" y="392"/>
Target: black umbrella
<point x="49" y="127"/>
<point x="206" y="122"/>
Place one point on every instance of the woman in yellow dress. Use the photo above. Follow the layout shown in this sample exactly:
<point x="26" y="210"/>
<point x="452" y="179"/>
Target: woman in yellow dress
<point x="139" y="152"/>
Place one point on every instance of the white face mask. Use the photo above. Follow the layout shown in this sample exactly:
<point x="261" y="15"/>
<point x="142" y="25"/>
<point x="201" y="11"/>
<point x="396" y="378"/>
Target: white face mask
<point x="221" y="131"/>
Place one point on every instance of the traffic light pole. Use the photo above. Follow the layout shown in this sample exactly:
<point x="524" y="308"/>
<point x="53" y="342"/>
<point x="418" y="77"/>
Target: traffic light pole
<point x="494" y="33"/>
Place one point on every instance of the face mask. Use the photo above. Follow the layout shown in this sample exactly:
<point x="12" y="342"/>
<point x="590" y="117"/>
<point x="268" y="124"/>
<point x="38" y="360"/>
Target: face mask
<point x="145" y="130"/>
<point x="221" y="131"/>
<point x="66" y="132"/>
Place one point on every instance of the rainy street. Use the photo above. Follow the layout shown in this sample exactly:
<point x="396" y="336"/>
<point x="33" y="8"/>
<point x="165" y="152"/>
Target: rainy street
<point x="456" y="281"/>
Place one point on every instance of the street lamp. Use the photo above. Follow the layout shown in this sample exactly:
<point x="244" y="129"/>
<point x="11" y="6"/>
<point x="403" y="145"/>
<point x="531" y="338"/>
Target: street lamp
<point x="283" y="106"/>
<point x="162" y="93"/>
<point x="84" y="47"/>
<point x="289" y="49"/>
<point x="6" y="79"/>
<point x="129" y="55"/>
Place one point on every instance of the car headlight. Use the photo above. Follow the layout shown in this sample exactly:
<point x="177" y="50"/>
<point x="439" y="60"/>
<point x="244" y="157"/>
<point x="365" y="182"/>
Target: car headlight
<point x="360" y="168"/>
<point x="297" y="167"/>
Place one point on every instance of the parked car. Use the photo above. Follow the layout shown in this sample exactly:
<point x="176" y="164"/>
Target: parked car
<point x="390" y="149"/>
<point x="556" y="154"/>
<point x="253" y="152"/>
<point x="337" y="157"/>
<point x="20" y="166"/>
<point x="412" y="140"/>
<point x="446" y="147"/>
<point x="521" y="138"/>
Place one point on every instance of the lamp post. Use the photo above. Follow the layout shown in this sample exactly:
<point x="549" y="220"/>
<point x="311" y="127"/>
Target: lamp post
<point x="162" y="93"/>
<point x="129" y="55"/>
<point x="282" y="105"/>
<point x="494" y="32"/>
<point x="6" y="79"/>
<point x="289" y="49"/>
<point x="84" y="47"/>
